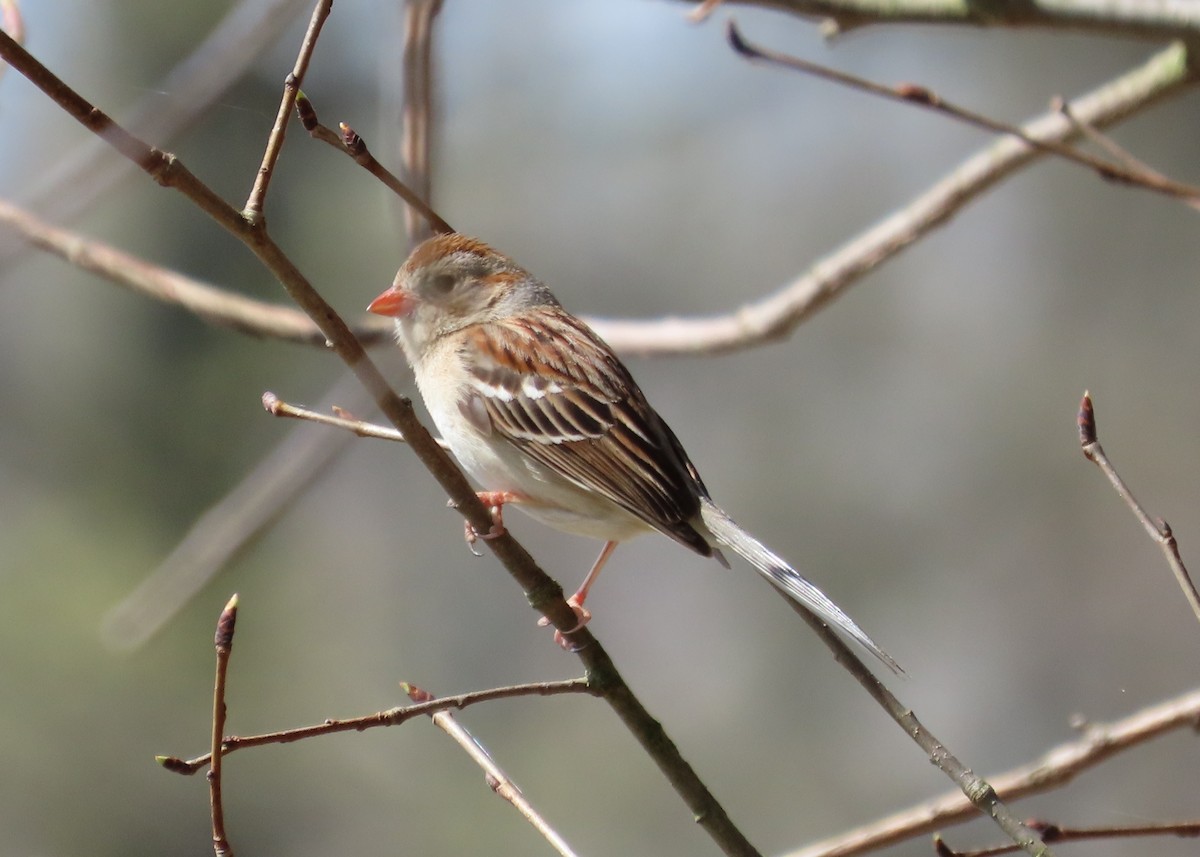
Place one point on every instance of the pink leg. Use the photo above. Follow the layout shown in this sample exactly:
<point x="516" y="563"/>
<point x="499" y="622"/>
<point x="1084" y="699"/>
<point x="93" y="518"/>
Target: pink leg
<point x="581" y="594"/>
<point x="494" y="500"/>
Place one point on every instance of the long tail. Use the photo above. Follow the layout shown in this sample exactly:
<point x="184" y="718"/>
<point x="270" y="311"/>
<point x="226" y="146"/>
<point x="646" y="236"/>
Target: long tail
<point x="787" y="580"/>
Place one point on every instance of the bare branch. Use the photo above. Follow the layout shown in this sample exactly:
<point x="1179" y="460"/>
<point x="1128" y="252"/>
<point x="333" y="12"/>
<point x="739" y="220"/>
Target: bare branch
<point x="224" y="645"/>
<point x="979" y="792"/>
<point x="1061" y="833"/>
<point x="391" y="717"/>
<point x="416" y="111"/>
<point x="1160" y="530"/>
<point x="253" y="210"/>
<point x="542" y="592"/>
<point x="777" y="315"/>
<point x="214" y="305"/>
<point x="765" y="320"/>
<point x="248" y="29"/>
<point x="497" y="779"/>
<point x="1058" y="766"/>
<point x="1157" y="22"/>
<point x="919" y="96"/>
<point x="349" y="142"/>
<point x="343" y="420"/>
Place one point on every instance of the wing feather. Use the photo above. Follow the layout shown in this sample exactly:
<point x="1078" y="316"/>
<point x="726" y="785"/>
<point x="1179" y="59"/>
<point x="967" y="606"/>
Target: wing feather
<point x="569" y="404"/>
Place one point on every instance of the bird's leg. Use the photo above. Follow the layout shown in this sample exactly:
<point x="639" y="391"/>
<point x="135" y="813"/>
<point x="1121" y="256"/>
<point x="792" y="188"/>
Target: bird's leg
<point x="494" y="500"/>
<point x="576" y="601"/>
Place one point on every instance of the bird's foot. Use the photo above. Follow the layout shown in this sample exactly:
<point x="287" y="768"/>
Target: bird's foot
<point x="494" y="500"/>
<point x="582" y="614"/>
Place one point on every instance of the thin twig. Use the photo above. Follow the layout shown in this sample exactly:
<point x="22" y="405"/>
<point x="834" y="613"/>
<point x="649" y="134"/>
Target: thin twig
<point x="349" y="142"/>
<point x="233" y="522"/>
<point x="922" y="97"/>
<point x="776" y="315"/>
<point x="762" y="321"/>
<point x="1057" y="767"/>
<point x="1059" y="833"/>
<point x="1156" y="22"/>
<point x="497" y="779"/>
<point x="391" y="717"/>
<point x="224" y="645"/>
<point x="1115" y="150"/>
<point x="542" y="592"/>
<point x="344" y="420"/>
<point x="1158" y="530"/>
<point x="69" y="186"/>
<point x="977" y="790"/>
<point x="253" y="210"/>
<point x="215" y="305"/>
<point x="416" y="114"/>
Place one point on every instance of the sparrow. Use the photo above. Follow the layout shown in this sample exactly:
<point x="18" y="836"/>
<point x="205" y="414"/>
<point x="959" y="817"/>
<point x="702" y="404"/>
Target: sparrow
<point x="543" y="415"/>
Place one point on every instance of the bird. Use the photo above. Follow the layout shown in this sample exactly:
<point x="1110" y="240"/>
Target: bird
<point x="542" y="414"/>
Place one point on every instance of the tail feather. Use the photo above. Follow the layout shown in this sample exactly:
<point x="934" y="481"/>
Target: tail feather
<point x="787" y="580"/>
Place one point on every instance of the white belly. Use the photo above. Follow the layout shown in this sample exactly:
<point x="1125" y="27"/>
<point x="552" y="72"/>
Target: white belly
<point x="496" y="465"/>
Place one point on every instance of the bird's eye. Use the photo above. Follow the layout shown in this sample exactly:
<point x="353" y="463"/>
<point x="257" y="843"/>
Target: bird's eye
<point x="443" y="284"/>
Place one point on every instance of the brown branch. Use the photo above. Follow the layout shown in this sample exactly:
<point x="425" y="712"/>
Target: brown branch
<point x="1158" y="530"/>
<point x="1060" y="833"/>
<point x="922" y="97"/>
<point x="776" y="315"/>
<point x="497" y="779"/>
<point x="762" y="321"/>
<point x="344" y="420"/>
<point x="224" y="645"/>
<point x="391" y="717"/>
<point x="1058" y="766"/>
<point x="350" y="143"/>
<point x="68" y="187"/>
<point x="253" y="210"/>
<point x="1156" y="22"/>
<point x="416" y="115"/>
<point x="978" y="791"/>
<point x="1115" y="151"/>
<point x="242" y="514"/>
<point x="213" y="304"/>
<point x="542" y="592"/>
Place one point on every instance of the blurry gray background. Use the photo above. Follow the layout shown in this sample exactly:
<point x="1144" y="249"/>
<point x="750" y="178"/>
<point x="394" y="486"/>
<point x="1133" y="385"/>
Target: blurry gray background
<point x="913" y="447"/>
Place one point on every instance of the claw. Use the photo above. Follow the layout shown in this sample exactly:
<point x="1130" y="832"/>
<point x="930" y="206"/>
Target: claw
<point x="581" y="613"/>
<point x="495" y="501"/>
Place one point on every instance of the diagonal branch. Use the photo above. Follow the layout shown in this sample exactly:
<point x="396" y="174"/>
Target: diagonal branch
<point x="920" y="96"/>
<point x="497" y="779"/>
<point x="1058" y="766"/>
<point x="1159" y="21"/>
<point x="248" y="29"/>
<point x="543" y="593"/>
<point x="390" y="717"/>
<point x="417" y="114"/>
<point x="777" y="315"/>
<point x="215" y="305"/>
<point x="1159" y="531"/>
<point x="757" y="323"/>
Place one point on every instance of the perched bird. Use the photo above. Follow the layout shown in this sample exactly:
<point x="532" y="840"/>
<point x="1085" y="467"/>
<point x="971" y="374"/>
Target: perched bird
<point x="542" y="414"/>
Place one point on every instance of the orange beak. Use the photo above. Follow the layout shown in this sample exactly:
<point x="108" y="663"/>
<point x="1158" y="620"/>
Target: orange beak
<point x="398" y="303"/>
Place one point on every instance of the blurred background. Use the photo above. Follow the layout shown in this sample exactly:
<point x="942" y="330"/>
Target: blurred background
<point x="912" y="447"/>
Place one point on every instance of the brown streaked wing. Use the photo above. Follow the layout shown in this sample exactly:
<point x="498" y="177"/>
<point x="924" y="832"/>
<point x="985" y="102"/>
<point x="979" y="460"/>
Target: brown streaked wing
<point x="556" y="392"/>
